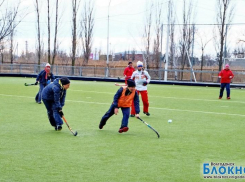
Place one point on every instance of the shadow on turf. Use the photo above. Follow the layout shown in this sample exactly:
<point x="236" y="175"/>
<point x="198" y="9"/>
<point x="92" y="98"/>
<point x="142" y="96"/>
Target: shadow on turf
<point x="127" y="134"/>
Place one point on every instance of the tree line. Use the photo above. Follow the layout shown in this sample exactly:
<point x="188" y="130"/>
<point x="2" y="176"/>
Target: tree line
<point x="180" y="50"/>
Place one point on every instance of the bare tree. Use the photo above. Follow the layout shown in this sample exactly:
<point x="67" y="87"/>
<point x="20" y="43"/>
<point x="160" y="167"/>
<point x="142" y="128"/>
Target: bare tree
<point x="55" y="32"/>
<point x="2" y="51"/>
<point x="75" y="6"/>
<point x="8" y="19"/>
<point x="37" y="8"/>
<point x="133" y="54"/>
<point x="224" y="16"/>
<point x="172" y="53"/>
<point x="11" y="44"/>
<point x="241" y="39"/>
<point x="203" y="43"/>
<point x="147" y="36"/>
<point x="158" y="25"/>
<point x="49" y="49"/>
<point x="186" y="39"/>
<point x="87" y="25"/>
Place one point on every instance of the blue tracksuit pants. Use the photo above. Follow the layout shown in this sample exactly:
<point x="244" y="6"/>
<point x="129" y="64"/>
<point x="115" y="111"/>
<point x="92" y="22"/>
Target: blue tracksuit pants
<point x="110" y="112"/>
<point x="222" y="87"/>
<point x="38" y="97"/>
<point x="53" y="114"/>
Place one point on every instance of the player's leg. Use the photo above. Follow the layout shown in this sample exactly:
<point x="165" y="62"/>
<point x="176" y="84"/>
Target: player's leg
<point x="106" y="116"/>
<point x="124" y="124"/>
<point x="48" y="106"/>
<point x="228" y="90"/>
<point x="36" y="98"/>
<point x="222" y="87"/>
<point x="40" y="93"/>
<point x="57" y="117"/>
<point x="144" y="96"/>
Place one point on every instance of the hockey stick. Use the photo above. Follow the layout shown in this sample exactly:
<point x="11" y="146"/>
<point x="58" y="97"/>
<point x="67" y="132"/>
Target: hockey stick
<point x="122" y="78"/>
<point x="74" y="133"/>
<point x="29" y="84"/>
<point x="117" y="84"/>
<point x="149" y="127"/>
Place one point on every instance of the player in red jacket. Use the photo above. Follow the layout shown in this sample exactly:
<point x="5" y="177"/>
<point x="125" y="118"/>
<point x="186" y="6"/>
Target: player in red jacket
<point x="225" y="79"/>
<point x="128" y="71"/>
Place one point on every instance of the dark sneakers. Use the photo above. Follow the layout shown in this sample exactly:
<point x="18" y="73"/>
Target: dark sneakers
<point x="147" y="114"/>
<point x="58" y="128"/>
<point x="124" y="129"/>
<point x="132" y="115"/>
<point x="102" y="123"/>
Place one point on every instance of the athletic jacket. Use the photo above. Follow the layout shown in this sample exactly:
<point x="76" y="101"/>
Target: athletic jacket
<point x="140" y="77"/>
<point x="225" y="76"/>
<point x="55" y="92"/>
<point x="41" y="77"/>
<point x="127" y="92"/>
<point x="128" y="71"/>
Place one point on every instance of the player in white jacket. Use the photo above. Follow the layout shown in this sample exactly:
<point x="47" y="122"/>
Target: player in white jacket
<point x="141" y="78"/>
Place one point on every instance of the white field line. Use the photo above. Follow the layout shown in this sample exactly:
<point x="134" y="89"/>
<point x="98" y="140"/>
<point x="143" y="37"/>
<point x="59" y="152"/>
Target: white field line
<point x="158" y="108"/>
<point x="203" y="112"/>
<point x="92" y="91"/>
<point x="205" y="100"/>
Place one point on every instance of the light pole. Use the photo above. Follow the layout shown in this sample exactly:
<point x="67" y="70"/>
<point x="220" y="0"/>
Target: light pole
<point x="166" y="54"/>
<point x="107" y="58"/>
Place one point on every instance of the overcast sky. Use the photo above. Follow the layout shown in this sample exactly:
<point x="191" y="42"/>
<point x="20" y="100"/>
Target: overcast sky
<point x="126" y="24"/>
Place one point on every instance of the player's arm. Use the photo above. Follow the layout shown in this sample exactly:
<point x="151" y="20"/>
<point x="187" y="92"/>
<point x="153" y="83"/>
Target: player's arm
<point x="56" y="91"/>
<point x="148" y="77"/>
<point x="115" y="101"/>
<point x="220" y="74"/>
<point x="117" y="84"/>
<point x="39" y="75"/>
<point x="232" y="75"/>
<point x="125" y="72"/>
<point x="62" y="100"/>
<point x="52" y="77"/>
<point x="133" y="76"/>
<point x="117" y="96"/>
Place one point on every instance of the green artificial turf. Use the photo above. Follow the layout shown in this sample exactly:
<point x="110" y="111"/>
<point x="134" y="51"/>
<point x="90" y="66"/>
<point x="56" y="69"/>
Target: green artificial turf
<point x="204" y="129"/>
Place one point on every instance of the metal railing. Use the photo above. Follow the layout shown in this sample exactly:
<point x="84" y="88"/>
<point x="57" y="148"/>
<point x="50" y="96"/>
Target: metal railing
<point x="156" y="74"/>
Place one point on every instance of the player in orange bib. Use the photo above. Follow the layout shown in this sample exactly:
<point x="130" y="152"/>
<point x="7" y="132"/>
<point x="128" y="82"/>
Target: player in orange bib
<point x="123" y="99"/>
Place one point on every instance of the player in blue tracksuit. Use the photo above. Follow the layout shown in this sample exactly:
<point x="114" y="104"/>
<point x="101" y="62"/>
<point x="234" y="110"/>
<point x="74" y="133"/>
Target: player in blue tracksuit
<point x="123" y="99"/>
<point x="44" y="78"/>
<point x="53" y="97"/>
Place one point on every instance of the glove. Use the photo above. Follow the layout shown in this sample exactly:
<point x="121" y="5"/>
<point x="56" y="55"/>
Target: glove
<point x="145" y="83"/>
<point x="36" y="83"/>
<point x="61" y="113"/>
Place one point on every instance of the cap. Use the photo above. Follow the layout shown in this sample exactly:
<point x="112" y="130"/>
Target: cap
<point x="64" y="81"/>
<point x="47" y="65"/>
<point x="131" y="83"/>
<point x="139" y="63"/>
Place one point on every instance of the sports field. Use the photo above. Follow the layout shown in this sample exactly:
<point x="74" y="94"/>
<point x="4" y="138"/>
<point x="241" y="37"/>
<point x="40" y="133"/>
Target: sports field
<point x="204" y="129"/>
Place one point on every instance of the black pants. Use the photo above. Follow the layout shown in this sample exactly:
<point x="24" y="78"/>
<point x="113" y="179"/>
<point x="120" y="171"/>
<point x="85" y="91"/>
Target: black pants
<point x="110" y="112"/>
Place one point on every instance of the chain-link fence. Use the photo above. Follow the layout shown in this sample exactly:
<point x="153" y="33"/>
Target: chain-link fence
<point x="156" y="74"/>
